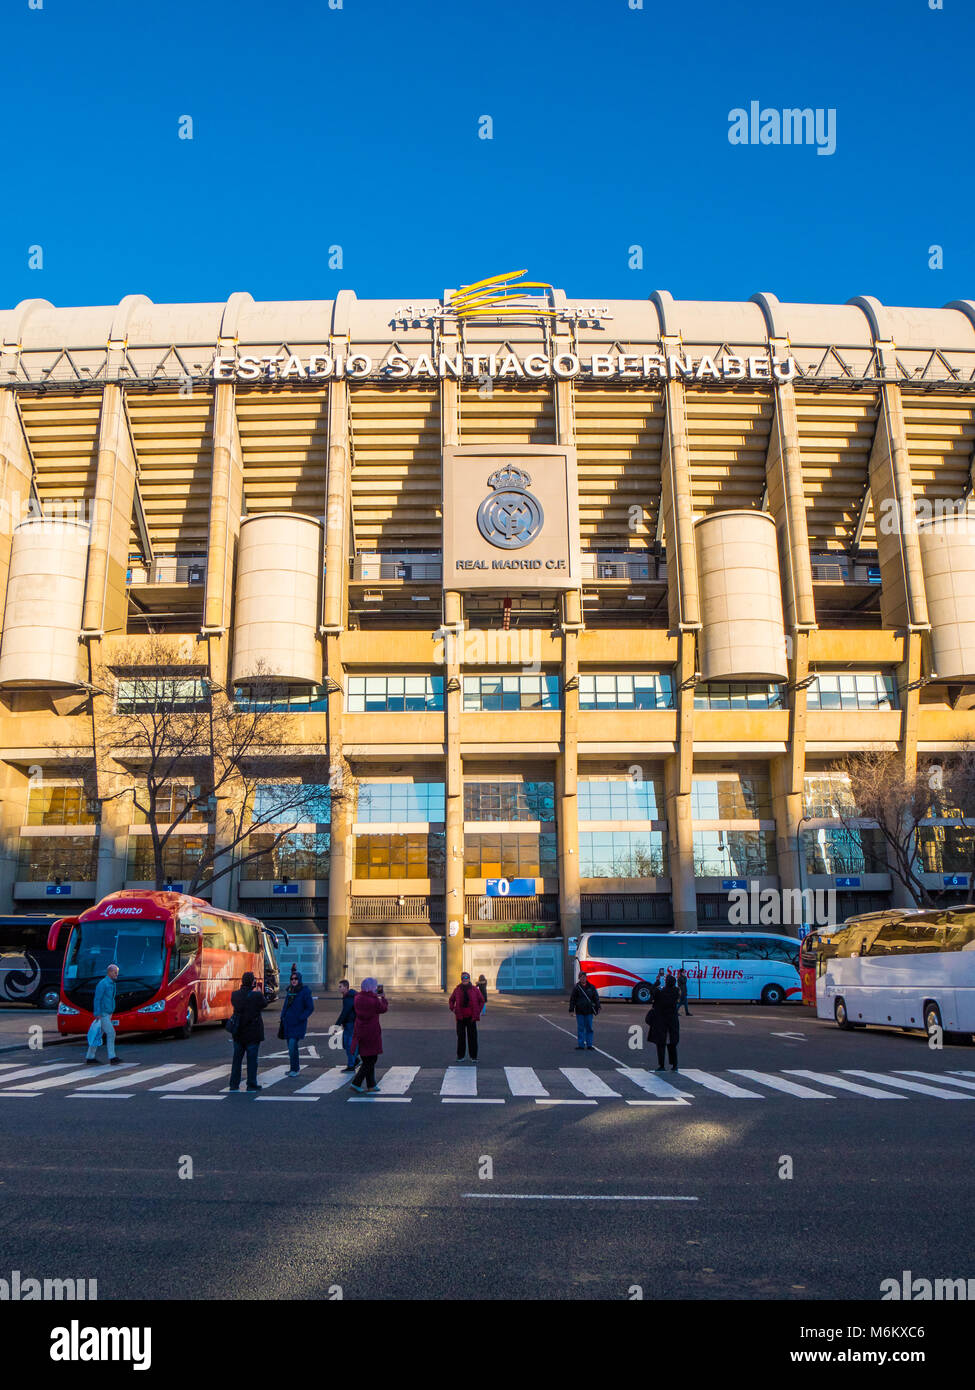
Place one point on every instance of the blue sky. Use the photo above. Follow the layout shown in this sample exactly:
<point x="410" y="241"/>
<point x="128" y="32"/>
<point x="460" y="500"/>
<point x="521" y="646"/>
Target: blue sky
<point x="358" y="127"/>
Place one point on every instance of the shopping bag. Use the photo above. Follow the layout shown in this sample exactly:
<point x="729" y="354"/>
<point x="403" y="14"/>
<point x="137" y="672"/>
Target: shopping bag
<point x="95" y="1034"/>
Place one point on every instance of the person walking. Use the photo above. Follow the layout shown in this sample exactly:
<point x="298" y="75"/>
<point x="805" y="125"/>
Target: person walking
<point x="248" y="1002"/>
<point x="103" y="1008"/>
<point x="298" y="1007"/>
<point x="663" y="1024"/>
<point x="466" y="1005"/>
<point x="584" y="1003"/>
<point x="682" y="991"/>
<point x="482" y="986"/>
<point x="367" y="1034"/>
<point x="346" y="1021"/>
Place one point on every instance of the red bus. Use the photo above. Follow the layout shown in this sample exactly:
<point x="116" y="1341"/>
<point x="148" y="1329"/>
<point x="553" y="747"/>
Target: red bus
<point x="179" y="961"/>
<point x="808" y="956"/>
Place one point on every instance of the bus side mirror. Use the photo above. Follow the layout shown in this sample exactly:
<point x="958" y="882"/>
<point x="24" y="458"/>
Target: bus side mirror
<point x="52" y="936"/>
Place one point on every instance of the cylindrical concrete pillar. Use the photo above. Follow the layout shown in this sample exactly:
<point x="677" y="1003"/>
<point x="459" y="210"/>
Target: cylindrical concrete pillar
<point x="948" y="559"/>
<point x="279" y="575"/>
<point x="742" y="628"/>
<point x="45" y="600"/>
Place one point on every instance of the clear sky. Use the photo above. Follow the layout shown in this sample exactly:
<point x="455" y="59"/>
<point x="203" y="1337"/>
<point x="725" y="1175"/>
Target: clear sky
<point x="358" y="127"/>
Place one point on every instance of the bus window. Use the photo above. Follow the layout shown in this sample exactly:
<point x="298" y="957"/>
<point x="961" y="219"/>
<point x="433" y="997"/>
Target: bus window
<point x="959" y="938"/>
<point x="905" y="937"/>
<point x="247" y="936"/>
<point x="182" y="954"/>
<point x="218" y="933"/>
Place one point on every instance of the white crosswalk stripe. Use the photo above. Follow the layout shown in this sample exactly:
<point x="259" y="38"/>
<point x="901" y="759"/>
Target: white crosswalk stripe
<point x="194" y="1082"/>
<point x="45" y="1083"/>
<point x="398" y="1080"/>
<point x="654" y="1085"/>
<point x="325" y="1083"/>
<point x="918" y="1086"/>
<point x="842" y="1084"/>
<point x="459" y="1081"/>
<point x="117" y="1083"/>
<point x="718" y="1083"/>
<point x="943" y="1078"/>
<point x="587" y="1083"/>
<point x="522" y="1081"/>
<point x="779" y="1083"/>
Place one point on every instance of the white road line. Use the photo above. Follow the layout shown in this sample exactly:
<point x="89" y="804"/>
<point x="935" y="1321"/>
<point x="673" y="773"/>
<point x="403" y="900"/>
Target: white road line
<point x="372" y="1099"/>
<point x="65" y="1080"/>
<point x="886" y="1080"/>
<point x="587" y="1082"/>
<point x="189" y="1083"/>
<point x="618" y="1060"/>
<point x="938" y="1076"/>
<point x="398" y="1080"/>
<point x="310" y="1099"/>
<point x="522" y="1081"/>
<point x="100" y="1095"/>
<point x="19" y="1095"/>
<point x="271" y="1077"/>
<point x="571" y="1197"/>
<point x="654" y="1086"/>
<point x="38" y="1069"/>
<point x="116" y="1083"/>
<point x="838" y="1081"/>
<point x="778" y="1083"/>
<point x="459" y="1081"/>
<point x="189" y="1095"/>
<point x="552" y="1101"/>
<point x="326" y="1083"/>
<point x="471" y="1100"/>
<point x="717" y="1083"/>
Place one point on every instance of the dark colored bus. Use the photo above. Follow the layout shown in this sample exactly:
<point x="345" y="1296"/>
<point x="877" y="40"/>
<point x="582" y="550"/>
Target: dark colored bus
<point x="30" y="971"/>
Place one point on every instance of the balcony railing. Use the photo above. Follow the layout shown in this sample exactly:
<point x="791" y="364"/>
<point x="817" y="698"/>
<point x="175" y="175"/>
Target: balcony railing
<point x="372" y="568"/>
<point x="169" y="569"/>
<point x="630" y="567"/>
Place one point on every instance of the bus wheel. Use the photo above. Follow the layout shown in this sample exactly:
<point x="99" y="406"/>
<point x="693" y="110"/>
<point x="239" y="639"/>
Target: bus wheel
<point x="932" y="1019"/>
<point x="642" y="995"/>
<point x="190" y="1023"/>
<point x="773" y="994"/>
<point x="841" y="1016"/>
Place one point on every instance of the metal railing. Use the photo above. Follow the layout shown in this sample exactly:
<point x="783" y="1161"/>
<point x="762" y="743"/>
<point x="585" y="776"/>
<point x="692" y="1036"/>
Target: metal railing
<point x="372" y="568"/>
<point x="169" y="569"/>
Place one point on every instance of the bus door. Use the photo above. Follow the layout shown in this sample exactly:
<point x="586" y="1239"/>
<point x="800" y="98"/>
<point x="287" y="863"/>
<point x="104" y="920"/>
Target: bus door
<point x="694" y="976"/>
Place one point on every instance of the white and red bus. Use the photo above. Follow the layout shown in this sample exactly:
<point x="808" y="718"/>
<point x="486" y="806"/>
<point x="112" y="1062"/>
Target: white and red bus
<point x="759" y="966"/>
<point x="179" y="961"/>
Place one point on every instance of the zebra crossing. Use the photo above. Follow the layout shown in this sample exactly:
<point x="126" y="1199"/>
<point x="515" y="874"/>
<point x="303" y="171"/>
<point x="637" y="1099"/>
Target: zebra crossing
<point x="469" y="1085"/>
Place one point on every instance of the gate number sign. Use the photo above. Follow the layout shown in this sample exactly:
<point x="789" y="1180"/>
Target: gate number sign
<point x="510" y="887"/>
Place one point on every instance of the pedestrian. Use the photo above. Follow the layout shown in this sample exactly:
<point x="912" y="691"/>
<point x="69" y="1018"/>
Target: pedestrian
<point x="367" y="1034"/>
<point x="248" y="1002"/>
<point x="682" y="990"/>
<point x="346" y="1021"/>
<point x="103" y="1008"/>
<point x="584" y="1003"/>
<point x="466" y="1004"/>
<point x="482" y="986"/>
<point x="663" y="1023"/>
<point x="658" y="983"/>
<point x="295" y="1012"/>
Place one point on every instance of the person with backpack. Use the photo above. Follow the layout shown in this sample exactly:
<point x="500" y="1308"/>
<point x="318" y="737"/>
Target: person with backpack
<point x="248" y="1002"/>
<point x="663" y="1026"/>
<point x="346" y="1021"/>
<point x="584" y="1003"/>
<point x="296" y="1010"/>
<point x="466" y="1004"/>
<point x="367" y="1034"/>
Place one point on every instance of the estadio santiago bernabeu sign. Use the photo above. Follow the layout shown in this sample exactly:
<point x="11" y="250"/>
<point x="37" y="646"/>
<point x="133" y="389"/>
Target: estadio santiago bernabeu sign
<point x="507" y="517"/>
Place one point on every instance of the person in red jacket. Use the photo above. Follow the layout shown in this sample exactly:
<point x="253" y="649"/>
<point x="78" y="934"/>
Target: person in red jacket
<point x="466" y="1003"/>
<point x="367" y="1035"/>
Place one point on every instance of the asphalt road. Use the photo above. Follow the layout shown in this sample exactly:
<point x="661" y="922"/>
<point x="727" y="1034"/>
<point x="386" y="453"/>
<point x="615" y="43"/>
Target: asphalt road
<point x="464" y="1197"/>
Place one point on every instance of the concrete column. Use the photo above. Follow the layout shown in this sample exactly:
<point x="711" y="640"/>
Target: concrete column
<point x="902" y="599"/>
<point x="788" y="772"/>
<point x="678" y="775"/>
<point x="226" y="498"/>
<point x="106" y="601"/>
<point x="339" y="493"/>
<point x="454" y="896"/>
<point x="15" y="479"/>
<point x="567" y="793"/>
<point x="908" y="677"/>
<point x="341" y="854"/>
<point x="226" y="818"/>
<point x="787" y="503"/>
<point x="676" y="498"/>
<point x="13" y="808"/>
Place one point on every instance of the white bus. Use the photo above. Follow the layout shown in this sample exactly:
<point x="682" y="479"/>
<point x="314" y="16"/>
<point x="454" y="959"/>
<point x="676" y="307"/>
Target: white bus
<point x="754" y="966"/>
<point x="912" y="970"/>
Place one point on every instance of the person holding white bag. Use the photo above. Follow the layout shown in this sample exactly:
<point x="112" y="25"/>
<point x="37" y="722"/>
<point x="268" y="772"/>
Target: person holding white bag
<point x="103" y="1008"/>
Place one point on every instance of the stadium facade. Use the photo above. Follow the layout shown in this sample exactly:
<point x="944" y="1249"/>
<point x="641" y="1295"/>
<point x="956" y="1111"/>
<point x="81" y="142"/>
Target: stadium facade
<point x="590" y="597"/>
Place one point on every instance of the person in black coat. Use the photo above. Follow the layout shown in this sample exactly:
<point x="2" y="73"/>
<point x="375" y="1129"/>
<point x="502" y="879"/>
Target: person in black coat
<point x="248" y="1002"/>
<point x="584" y="1003"/>
<point x="662" y="1022"/>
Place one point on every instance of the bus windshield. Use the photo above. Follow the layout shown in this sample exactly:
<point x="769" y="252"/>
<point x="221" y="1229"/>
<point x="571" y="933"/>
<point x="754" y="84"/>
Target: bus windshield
<point x="137" y="948"/>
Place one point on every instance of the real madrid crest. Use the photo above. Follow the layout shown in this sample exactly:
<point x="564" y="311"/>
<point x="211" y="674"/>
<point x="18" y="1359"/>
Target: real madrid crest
<point x="511" y="516"/>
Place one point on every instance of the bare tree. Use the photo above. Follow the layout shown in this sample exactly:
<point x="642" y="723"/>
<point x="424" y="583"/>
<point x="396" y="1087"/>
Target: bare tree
<point x="951" y="786"/>
<point x="898" y="803"/>
<point x="159" y="722"/>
